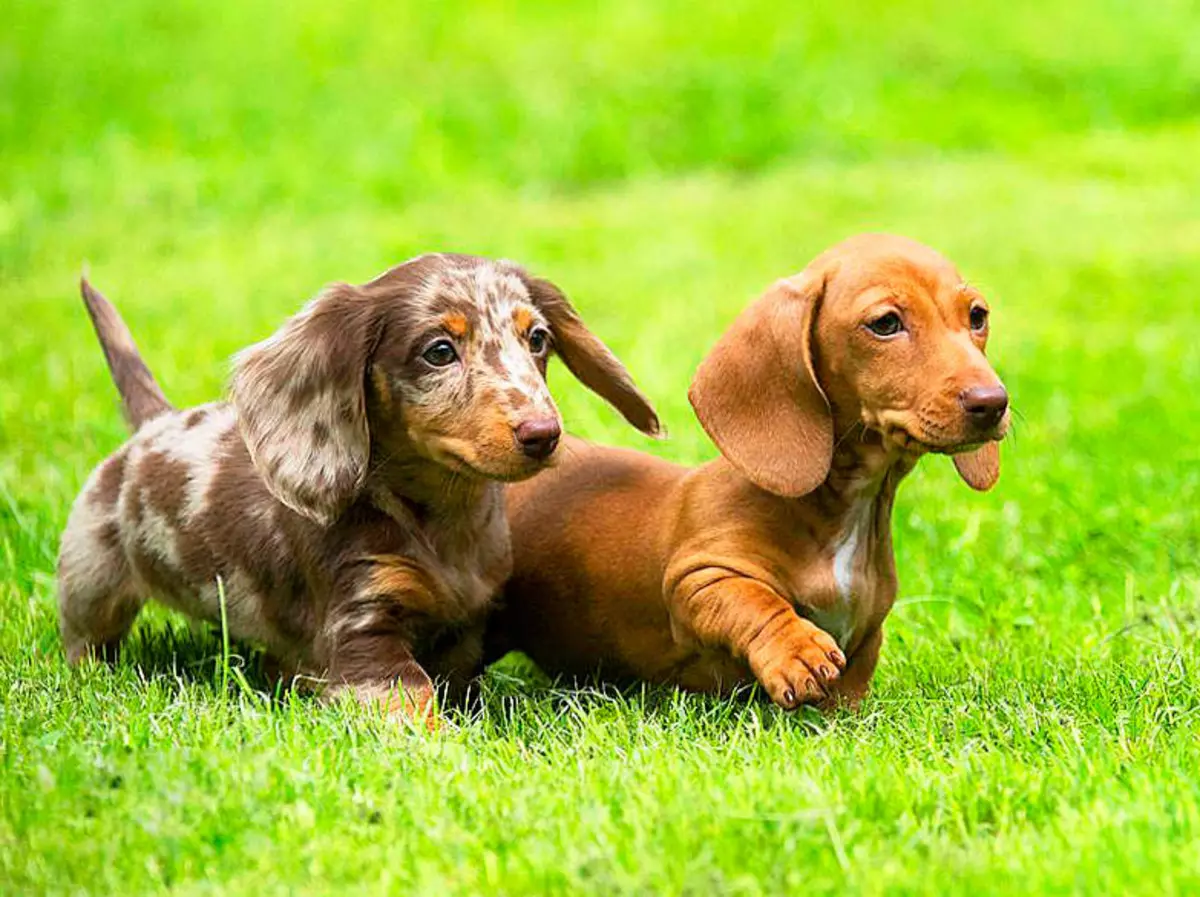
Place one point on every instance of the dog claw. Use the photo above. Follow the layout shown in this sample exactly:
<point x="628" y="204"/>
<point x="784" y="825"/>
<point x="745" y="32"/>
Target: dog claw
<point x="798" y="666"/>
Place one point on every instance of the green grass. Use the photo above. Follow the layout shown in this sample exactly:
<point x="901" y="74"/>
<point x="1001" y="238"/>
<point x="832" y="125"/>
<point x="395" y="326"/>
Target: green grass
<point x="1035" y="724"/>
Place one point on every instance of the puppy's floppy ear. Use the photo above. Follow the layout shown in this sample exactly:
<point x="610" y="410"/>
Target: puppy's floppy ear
<point x="756" y="393"/>
<point x="590" y="360"/>
<point x="980" y="469"/>
<point x="301" y="403"/>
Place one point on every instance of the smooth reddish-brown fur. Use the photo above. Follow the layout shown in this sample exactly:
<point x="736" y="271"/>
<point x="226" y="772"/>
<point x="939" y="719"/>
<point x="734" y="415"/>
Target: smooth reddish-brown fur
<point x="347" y="499"/>
<point x="773" y="562"/>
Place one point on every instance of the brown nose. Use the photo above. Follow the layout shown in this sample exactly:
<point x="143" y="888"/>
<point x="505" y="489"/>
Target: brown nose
<point x="985" y="405"/>
<point x="538" y="438"/>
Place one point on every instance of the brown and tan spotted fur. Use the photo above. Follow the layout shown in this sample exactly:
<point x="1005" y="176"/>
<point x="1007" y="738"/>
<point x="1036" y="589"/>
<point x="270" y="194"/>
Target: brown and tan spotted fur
<point x="347" y="497"/>
<point x="772" y="563"/>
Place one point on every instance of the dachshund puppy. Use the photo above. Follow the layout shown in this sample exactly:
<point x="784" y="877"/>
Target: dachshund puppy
<point x="345" y="505"/>
<point x="773" y="562"/>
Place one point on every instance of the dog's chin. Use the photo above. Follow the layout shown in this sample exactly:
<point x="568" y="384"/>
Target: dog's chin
<point x="924" y="445"/>
<point x="976" y="441"/>
<point x="512" y="469"/>
<point x="906" y="443"/>
<point x="909" y="434"/>
<point x="482" y="462"/>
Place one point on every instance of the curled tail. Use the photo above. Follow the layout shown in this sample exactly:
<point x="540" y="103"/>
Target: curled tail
<point x="141" y="396"/>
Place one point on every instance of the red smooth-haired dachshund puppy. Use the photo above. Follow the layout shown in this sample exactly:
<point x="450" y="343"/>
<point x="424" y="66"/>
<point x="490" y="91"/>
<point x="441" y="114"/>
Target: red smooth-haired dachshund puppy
<point x="347" y="500"/>
<point x="772" y="563"/>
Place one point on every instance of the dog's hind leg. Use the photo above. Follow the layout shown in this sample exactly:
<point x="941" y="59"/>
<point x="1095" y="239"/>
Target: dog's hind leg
<point x="97" y="597"/>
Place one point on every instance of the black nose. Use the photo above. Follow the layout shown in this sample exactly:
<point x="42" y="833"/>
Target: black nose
<point x="985" y="405"/>
<point x="538" y="438"/>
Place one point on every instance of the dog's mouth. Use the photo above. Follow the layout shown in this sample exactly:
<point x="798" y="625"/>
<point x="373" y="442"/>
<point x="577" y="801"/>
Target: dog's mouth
<point x="508" y="467"/>
<point x="911" y="441"/>
<point x="523" y="470"/>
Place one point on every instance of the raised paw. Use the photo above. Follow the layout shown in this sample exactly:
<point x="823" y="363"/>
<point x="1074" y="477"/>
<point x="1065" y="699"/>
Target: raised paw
<point x="798" y="665"/>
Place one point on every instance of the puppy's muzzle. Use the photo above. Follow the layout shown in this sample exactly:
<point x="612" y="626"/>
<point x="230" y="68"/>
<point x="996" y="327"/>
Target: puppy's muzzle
<point x="538" y="438"/>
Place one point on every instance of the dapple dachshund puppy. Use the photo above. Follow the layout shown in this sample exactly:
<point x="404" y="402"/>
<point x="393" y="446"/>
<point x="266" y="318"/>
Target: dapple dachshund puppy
<point x="347" y="498"/>
<point x="775" y="560"/>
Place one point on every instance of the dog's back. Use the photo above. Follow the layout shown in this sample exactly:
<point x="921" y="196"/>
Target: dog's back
<point x="123" y="534"/>
<point x="176" y="510"/>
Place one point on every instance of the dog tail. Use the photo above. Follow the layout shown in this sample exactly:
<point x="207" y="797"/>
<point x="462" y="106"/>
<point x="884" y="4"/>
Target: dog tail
<point x="141" y="396"/>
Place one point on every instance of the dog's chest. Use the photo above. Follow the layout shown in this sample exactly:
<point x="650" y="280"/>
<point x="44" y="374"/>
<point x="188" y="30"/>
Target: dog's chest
<point x="849" y="581"/>
<point x="472" y="582"/>
<point x="467" y="551"/>
<point x="471" y="566"/>
<point x="842" y="610"/>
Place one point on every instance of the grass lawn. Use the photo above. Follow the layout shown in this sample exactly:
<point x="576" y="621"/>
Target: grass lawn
<point x="1036" y="720"/>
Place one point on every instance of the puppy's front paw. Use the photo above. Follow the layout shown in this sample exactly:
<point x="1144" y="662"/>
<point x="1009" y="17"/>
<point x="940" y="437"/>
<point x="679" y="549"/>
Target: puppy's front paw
<point x="408" y="704"/>
<point x="412" y="706"/>
<point x="798" y="665"/>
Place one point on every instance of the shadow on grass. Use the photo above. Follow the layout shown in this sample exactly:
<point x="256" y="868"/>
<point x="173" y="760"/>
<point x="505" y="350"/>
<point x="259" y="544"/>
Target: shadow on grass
<point x="512" y="697"/>
<point x="514" y="690"/>
<point x="193" y="653"/>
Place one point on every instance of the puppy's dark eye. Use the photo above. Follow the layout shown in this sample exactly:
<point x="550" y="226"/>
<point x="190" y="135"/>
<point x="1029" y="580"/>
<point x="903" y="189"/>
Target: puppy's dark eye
<point x="539" y="340"/>
<point x="979" y="317"/>
<point x="886" y="325"/>
<point x="440" y="354"/>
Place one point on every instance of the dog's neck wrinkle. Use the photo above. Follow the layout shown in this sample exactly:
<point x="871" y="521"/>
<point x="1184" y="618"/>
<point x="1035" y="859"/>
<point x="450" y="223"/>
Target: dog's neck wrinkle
<point x="459" y="519"/>
<point x="429" y="491"/>
<point x="863" y="475"/>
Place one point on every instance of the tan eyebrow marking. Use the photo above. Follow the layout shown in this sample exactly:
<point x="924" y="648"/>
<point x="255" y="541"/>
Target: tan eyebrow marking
<point x="523" y="318"/>
<point x="456" y="323"/>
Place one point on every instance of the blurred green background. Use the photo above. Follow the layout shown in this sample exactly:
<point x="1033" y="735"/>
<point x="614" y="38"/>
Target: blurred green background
<point x="1035" y="722"/>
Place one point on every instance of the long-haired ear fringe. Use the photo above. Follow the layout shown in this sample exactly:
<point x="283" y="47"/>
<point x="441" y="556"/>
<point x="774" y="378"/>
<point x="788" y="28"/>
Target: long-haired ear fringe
<point x="301" y="404"/>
